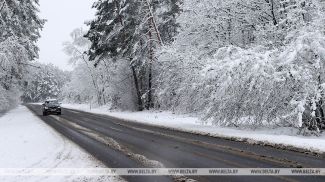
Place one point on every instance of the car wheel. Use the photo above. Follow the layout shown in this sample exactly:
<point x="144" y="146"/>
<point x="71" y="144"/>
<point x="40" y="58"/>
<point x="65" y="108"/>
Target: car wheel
<point x="59" y="113"/>
<point x="44" y="113"/>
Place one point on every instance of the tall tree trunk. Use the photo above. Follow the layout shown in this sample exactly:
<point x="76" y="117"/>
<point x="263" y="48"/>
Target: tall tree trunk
<point x="136" y="83"/>
<point x="153" y="31"/>
<point x="149" y="101"/>
<point x="93" y="81"/>
<point x="154" y="24"/>
<point x="320" y="105"/>
<point x="275" y="22"/>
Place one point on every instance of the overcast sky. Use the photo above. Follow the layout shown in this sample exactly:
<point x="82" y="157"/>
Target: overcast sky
<point x="63" y="16"/>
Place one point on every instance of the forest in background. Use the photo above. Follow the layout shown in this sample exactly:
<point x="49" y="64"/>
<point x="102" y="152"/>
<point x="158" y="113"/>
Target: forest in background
<point x="236" y="63"/>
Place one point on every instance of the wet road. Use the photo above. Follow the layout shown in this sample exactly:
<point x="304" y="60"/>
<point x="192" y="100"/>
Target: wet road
<point x="121" y="144"/>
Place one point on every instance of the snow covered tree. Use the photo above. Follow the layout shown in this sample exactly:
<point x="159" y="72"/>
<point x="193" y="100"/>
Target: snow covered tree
<point x="76" y="49"/>
<point x="20" y="26"/>
<point x="43" y="81"/>
<point x="237" y="63"/>
<point x="129" y="31"/>
<point x="108" y="83"/>
<point x="252" y="63"/>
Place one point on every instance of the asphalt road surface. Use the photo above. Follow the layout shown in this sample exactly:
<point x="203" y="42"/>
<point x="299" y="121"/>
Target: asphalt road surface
<point x="122" y="144"/>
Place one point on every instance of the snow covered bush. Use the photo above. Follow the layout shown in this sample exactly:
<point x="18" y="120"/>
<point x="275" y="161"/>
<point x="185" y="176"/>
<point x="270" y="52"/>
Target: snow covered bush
<point x="8" y="99"/>
<point x="278" y="85"/>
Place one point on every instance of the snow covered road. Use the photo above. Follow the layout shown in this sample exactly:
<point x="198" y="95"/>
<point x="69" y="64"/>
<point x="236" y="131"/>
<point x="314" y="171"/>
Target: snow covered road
<point x="27" y="142"/>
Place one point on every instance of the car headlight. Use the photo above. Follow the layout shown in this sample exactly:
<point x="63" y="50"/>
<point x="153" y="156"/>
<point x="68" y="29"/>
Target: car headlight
<point x="46" y="107"/>
<point x="59" y="107"/>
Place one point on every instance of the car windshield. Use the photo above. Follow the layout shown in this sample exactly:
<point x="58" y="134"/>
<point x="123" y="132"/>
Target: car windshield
<point x="52" y="102"/>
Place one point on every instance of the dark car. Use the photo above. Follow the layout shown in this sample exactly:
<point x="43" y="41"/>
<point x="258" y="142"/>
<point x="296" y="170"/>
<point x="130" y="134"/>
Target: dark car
<point x="51" y="106"/>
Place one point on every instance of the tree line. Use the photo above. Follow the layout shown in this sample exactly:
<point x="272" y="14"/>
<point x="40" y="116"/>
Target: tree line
<point x="19" y="31"/>
<point x="238" y="62"/>
<point x="235" y="63"/>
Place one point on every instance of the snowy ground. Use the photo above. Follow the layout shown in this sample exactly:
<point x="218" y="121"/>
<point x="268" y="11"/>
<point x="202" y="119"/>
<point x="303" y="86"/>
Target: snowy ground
<point x="27" y="142"/>
<point x="281" y="137"/>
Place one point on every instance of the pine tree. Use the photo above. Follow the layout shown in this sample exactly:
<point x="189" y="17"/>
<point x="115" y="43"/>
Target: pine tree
<point x="129" y="30"/>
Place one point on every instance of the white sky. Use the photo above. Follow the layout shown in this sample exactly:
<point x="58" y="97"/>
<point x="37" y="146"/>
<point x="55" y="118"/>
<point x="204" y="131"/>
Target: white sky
<point x="63" y="16"/>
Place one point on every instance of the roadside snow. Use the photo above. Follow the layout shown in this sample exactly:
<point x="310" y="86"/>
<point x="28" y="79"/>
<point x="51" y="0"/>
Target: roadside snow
<point x="27" y="142"/>
<point x="268" y="136"/>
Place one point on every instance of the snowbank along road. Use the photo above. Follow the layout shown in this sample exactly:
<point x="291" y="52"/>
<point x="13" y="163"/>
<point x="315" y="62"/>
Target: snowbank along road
<point x="121" y="144"/>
